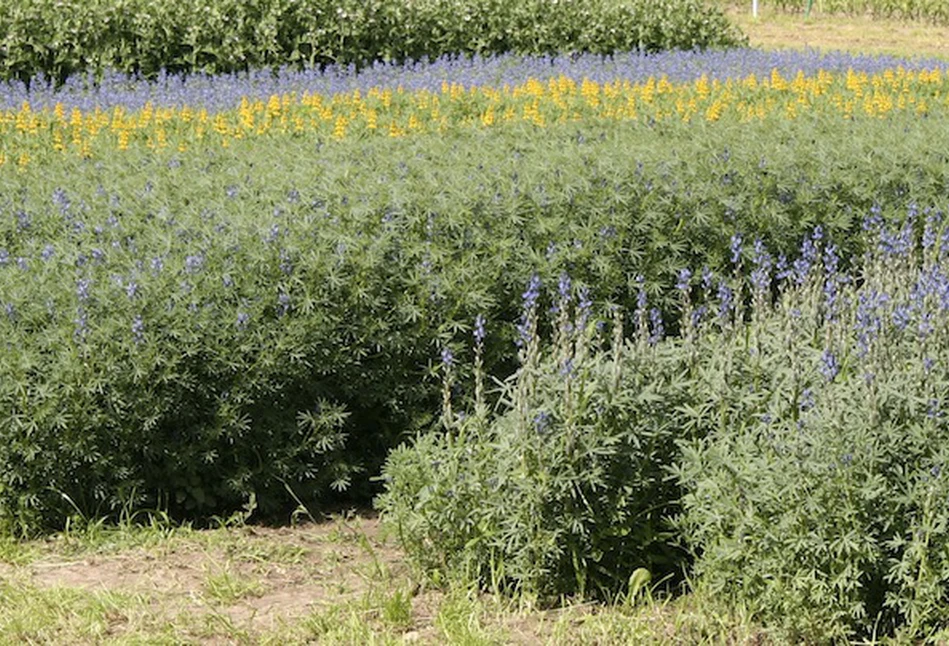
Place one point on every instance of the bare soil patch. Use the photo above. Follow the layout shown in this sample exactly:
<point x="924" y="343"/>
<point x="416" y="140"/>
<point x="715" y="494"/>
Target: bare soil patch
<point x="257" y="577"/>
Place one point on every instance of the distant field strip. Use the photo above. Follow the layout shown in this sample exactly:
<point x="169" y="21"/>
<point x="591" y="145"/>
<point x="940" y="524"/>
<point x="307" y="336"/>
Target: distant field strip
<point x="27" y="134"/>
<point x="931" y="11"/>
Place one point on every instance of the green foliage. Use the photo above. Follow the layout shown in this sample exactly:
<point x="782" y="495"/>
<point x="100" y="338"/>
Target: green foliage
<point x="58" y="39"/>
<point x="354" y="265"/>
<point x="797" y="448"/>
<point x="563" y="490"/>
<point x="817" y="494"/>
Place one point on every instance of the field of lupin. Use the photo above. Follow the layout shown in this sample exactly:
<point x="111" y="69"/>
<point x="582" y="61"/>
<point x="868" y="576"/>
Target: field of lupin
<point x="581" y="324"/>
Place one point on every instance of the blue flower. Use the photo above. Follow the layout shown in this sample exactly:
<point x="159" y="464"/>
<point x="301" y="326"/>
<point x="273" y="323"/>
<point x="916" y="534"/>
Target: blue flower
<point x="82" y="324"/>
<point x="61" y="200"/>
<point x="479" y="329"/>
<point x="541" y="422"/>
<point x="658" y="331"/>
<point x="868" y="322"/>
<point x="682" y="283"/>
<point x="806" y="401"/>
<point x="761" y="275"/>
<point x="724" y="300"/>
<point x="273" y="234"/>
<point x="829" y="367"/>
<point x="781" y="268"/>
<point x="698" y="314"/>
<point x="138" y="329"/>
<point x="564" y="292"/>
<point x="933" y="410"/>
<point x="283" y="303"/>
<point x="641" y="300"/>
<point x="82" y="288"/>
<point x="707" y="278"/>
<point x="448" y="359"/>
<point x="736" y="248"/>
<point x="831" y="260"/>
<point x="902" y="314"/>
<point x="874" y="220"/>
<point x="532" y="293"/>
<point x="529" y="300"/>
<point x="801" y="269"/>
<point x="193" y="263"/>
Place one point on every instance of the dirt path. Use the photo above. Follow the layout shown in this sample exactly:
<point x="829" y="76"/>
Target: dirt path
<point x="255" y="580"/>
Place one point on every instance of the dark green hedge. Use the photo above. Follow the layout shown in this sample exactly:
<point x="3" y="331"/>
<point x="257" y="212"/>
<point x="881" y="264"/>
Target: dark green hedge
<point x="58" y="38"/>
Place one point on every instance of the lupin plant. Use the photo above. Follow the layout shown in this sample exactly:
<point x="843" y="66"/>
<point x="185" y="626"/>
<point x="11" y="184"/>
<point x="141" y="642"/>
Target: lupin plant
<point x="804" y="428"/>
<point x="245" y="276"/>
<point x="815" y="495"/>
<point x="126" y="116"/>
<point x="557" y="475"/>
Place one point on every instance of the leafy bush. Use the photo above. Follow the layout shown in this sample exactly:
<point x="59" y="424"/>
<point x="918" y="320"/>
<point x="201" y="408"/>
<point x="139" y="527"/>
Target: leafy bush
<point x="799" y="442"/>
<point x="816" y="493"/>
<point x="57" y="39"/>
<point x="564" y="490"/>
<point x="353" y="264"/>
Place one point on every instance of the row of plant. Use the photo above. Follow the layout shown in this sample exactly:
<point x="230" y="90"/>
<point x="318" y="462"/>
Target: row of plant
<point x="59" y="39"/>
<point x="185" y="330"/>
<point x="30" y="136"/>
<point x="787" y="450"/>
<point x="223" y="92"/>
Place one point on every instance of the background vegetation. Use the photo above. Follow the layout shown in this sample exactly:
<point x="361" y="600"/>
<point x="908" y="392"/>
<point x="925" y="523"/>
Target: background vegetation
<point x="57" y="39"/>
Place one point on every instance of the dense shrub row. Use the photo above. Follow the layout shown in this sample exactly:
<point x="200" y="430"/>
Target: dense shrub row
<point x="791" y="443"/>
<point x="58" y="39"/>
<point x="188" y="330"/>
